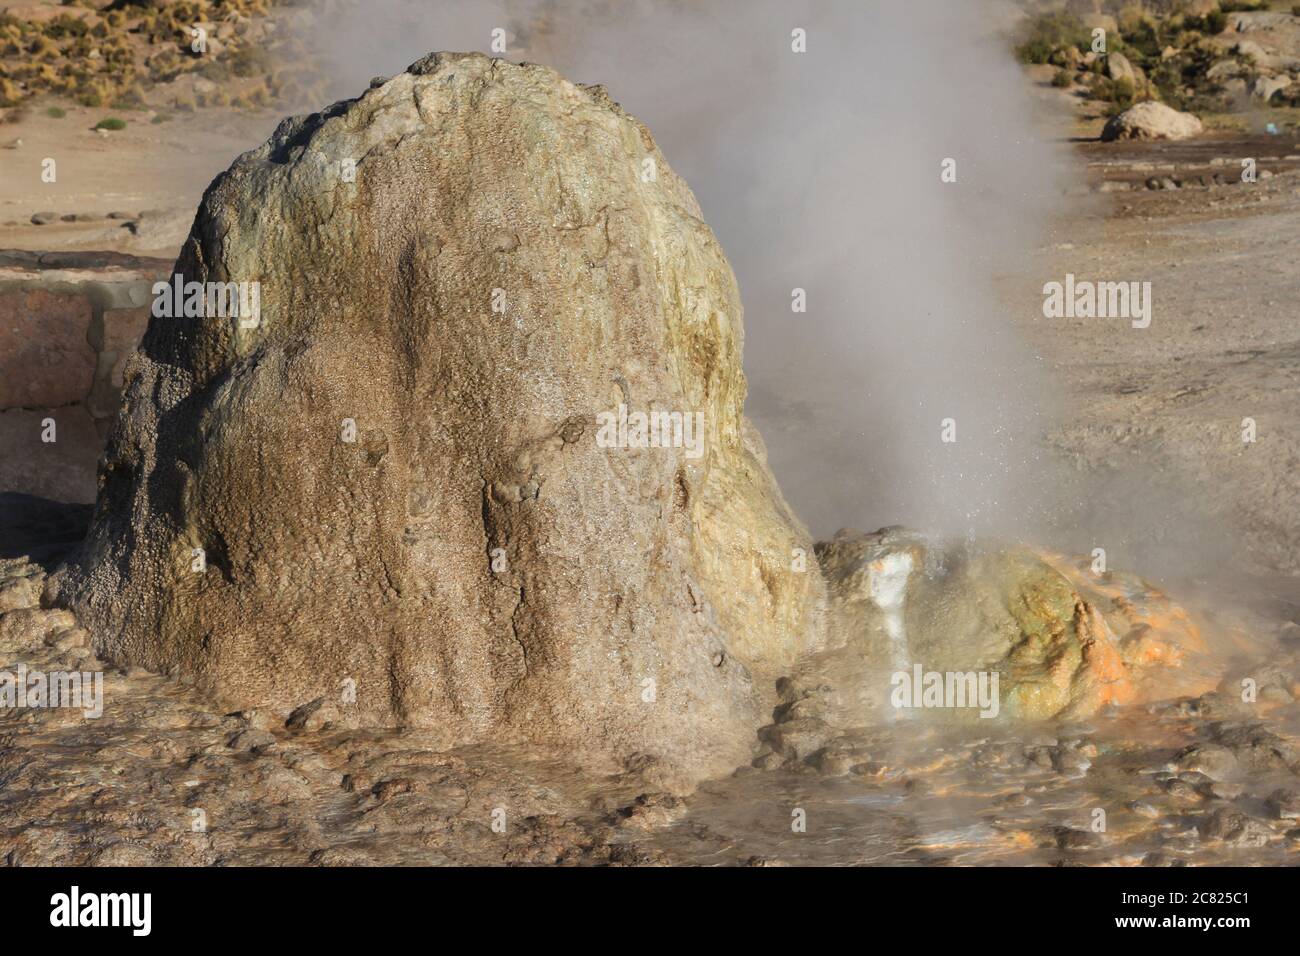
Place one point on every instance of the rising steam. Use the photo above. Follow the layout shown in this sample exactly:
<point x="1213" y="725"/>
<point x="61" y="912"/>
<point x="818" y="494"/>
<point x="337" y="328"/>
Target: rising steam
<point x="821" y="171"/>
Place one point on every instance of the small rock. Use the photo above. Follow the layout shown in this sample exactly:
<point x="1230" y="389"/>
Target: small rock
<point x="871" y="768"/>
<point x="1041" y="757"/>
<point x="66" y="640"/>
<point x="1266" y="87"/>
<point x="771" y="760"/>
<point x="798" y="738"/>
<point x="252" y="741"/>
<point x="833" y="763"/>
<point x="1236" y="829"/>
<point x="313" y="716"/>
<point x="1225" y="791"/>
<point x="1144" y="809"/>
<point x="653" y="810"/>
<point x="1158" y="858"/>
<point x="385" y="790"/>
<point x="1182" y="790"/>
<point x="1070" y="762"/>
<point x="1071" y="838"/>
<point x="18" y="593"/>
<point x="1118" y="67"/>
<point x="1216" y="762"/>
<point x="1285" y="804"/>
<point x="257" y="719"/>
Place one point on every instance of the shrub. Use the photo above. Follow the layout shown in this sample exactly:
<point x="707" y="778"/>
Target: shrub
<point x="1061" y="79"/>
<point x="65" y="26"/>
<point x="55" y="112"/>
<point x="1119" y="93"/>
<point x="10" y="94"/>
<point x="111" y="122"/>
<point x="1044" y="34"/>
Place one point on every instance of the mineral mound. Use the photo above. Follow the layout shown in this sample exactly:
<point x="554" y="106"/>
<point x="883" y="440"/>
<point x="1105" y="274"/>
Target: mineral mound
<point x="412" y="487"/>
<point x="1065" y="641"/>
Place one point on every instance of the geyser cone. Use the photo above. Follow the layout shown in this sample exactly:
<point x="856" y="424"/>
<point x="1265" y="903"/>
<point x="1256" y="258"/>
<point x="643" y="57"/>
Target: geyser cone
<point x="511" y="261"/>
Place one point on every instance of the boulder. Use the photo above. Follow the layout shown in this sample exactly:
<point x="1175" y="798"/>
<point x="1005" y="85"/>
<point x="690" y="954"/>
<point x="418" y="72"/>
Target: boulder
<point x="414" y="483"/>
<point x="1267" y="86"/>
<point x="1151" y="120"/>
<point x="1118" y="68"/>
<point x="1257" y="53"/>
<point x="1224" y="70"/>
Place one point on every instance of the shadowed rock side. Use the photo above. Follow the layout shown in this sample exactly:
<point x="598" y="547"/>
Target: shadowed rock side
<point x="639" y="596"/>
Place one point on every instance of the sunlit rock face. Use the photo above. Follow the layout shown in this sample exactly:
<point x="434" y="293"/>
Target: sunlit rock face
<point x="396" y="480"/>
<point x="1062" y="641"/>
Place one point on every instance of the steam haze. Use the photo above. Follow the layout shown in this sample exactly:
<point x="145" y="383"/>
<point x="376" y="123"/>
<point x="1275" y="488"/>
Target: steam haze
<point x="821" y="171"/>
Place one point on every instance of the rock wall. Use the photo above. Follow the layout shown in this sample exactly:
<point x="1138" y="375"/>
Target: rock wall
<point x="399" y="486"/>
<point x="68" y="321"/>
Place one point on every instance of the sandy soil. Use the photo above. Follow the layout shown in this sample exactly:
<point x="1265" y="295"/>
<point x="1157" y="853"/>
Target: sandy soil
<point x="1155" y="416"/>
<point x="158" y="169"/>
<point x="161" y="778"/>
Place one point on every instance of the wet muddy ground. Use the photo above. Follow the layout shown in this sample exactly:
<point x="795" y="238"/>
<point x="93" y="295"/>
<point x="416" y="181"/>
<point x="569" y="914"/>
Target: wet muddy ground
<point x="164" y="777"/>
<point x="1214" y="160"/>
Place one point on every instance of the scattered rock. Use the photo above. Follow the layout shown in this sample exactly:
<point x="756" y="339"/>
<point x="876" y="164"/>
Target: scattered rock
<point x="797" y="739"/>
<point x="1216" y="762"/>
<point x="1144" y="808"/>
<point x="1285" y="804"/>
<point x="18" y="593"/>
<point x="1236" y="829"/>
<point x="1118" y="67"/>
<point x="313" y="716"/>
<point x="834" y="762"/>
<point x="1266" y="87"/>
<point x="1151" y="120"/>
<point x="252" y="740"/>
<point x="1073" y="838"/>
<point x="1224" y="791"/>
<point x="652" y="810"/>
<point x="1255" y="746"/>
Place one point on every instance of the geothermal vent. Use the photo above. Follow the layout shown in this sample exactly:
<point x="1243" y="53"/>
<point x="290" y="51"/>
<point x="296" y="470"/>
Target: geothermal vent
<point x="406" y="485"/>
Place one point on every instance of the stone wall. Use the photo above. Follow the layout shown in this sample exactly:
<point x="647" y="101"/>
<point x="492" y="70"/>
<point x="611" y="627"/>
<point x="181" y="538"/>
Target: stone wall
<point x="68" y="321"/>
